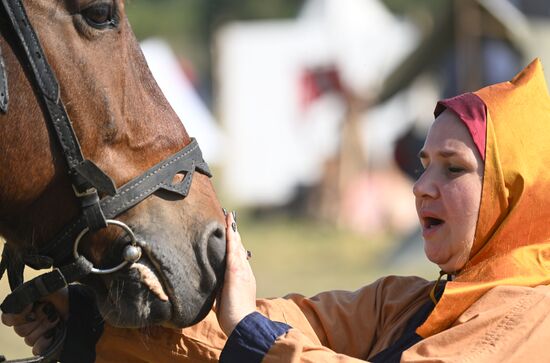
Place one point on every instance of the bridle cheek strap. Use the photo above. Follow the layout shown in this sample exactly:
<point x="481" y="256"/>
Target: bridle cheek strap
<point x="4" y="96"/>
<point x="159" y="177"/>
<point x="87" y="179"/>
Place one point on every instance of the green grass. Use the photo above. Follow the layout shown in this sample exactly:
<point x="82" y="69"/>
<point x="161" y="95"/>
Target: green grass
<point x="308" y="257"/>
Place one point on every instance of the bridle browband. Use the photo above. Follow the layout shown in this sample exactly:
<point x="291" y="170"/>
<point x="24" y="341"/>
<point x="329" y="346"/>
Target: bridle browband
<point x="88" y="181"/>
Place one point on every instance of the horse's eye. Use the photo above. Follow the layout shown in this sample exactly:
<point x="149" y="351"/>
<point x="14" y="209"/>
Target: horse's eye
<point x="100" y="15"/>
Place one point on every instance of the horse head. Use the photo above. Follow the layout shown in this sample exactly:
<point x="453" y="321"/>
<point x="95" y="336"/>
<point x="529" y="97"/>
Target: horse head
<point x="124" y="126"/>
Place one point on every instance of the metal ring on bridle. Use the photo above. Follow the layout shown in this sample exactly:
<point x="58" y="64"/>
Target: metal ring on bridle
<point x="132" y="251"/>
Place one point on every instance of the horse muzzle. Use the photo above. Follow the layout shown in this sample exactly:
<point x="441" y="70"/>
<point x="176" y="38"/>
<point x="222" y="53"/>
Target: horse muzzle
<point x="173" y="283"/>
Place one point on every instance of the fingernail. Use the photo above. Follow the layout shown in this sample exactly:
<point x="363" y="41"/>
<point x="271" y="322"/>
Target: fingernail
<point x="30" y="317"/>
<point x="234" y="216"/>
<point x="234" y="226"/>
<point x="50" y="333"/>
<point x="224" y="211"/>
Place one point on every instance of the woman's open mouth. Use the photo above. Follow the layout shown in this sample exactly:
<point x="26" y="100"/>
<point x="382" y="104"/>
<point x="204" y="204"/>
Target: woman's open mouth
<point x="431" y="225"/>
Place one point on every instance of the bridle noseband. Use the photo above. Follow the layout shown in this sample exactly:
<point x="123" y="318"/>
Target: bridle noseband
<point x="88" y="182"/>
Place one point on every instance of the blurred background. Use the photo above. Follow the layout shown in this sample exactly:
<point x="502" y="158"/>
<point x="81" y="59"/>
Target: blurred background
<point x="311" y="114"/>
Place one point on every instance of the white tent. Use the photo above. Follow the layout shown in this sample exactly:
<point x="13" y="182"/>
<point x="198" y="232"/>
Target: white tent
<point x="275" y="144"/>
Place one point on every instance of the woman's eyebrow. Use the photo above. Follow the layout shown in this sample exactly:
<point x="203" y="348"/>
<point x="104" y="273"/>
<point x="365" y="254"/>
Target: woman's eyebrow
<point x="442" y="153"/>
<point x="446" y="153"/>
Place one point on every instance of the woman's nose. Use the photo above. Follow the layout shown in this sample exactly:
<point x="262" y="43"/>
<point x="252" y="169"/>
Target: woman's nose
<point x="425" y="186"/>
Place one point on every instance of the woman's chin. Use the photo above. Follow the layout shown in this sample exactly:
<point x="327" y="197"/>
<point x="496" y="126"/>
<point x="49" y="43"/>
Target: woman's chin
<point x="437" y="256"/>
<point x="447" y="265"/>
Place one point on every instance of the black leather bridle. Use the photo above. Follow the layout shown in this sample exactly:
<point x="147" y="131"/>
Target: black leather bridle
<point x="88" y="182"/>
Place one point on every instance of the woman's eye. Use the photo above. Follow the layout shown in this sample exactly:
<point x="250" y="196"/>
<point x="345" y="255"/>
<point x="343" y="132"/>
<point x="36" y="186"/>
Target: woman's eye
<point x="100" y="16"/>
<point x="455" y="169"/>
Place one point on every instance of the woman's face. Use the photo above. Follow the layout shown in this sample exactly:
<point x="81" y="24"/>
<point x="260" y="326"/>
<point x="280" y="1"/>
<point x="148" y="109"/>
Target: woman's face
<point x="448" y="193"/>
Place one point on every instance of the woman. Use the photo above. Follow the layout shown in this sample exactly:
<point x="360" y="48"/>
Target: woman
<point x="482" y="203"/>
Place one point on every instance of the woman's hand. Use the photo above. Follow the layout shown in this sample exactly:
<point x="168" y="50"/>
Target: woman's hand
<point x="37" y="322"/>
<point x="238" y="296"/>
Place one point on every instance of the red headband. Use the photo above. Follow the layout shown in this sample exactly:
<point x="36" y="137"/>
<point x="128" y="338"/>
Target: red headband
<point x="471" y="110"/>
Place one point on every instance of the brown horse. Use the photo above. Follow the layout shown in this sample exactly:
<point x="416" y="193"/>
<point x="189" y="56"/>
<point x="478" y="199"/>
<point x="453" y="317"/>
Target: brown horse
<point x="125" y="126"/>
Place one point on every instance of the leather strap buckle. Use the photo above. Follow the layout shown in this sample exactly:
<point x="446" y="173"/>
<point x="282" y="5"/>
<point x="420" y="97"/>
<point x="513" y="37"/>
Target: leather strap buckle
<point x="86" y="193"/>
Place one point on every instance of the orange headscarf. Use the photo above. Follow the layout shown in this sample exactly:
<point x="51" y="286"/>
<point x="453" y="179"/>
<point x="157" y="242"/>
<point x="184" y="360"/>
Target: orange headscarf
<point x="512" y="238"/>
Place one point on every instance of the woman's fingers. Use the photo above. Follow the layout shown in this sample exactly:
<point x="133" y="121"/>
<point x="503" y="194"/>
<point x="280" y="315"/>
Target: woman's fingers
<point x="238" y="295"/>
<point x="26" y="316"/>
<point x="25" y="329"/>
<point x="237" y="252"/>
<point x="36" y="322"/>
<point x="45" y="329"/>
<point x="60" y="301"/>
<point x="234" y="243"/>
<point x="42" y="344"/>
<point x="237" y="259"/>
<point x="46" y="318"/>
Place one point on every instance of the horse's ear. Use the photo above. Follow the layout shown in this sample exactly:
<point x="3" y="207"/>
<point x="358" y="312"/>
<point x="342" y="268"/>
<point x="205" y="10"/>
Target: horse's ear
<point x="3" y="85"/>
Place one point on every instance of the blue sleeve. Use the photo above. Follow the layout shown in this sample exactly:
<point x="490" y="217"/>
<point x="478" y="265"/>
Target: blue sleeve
<point x="84" y="327"/>
<point x="251" y="339"/>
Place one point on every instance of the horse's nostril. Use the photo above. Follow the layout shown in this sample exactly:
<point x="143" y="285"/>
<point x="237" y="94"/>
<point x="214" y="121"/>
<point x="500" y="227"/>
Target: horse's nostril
<point x="216" y="248"/>
<point x="218" y="233"/>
